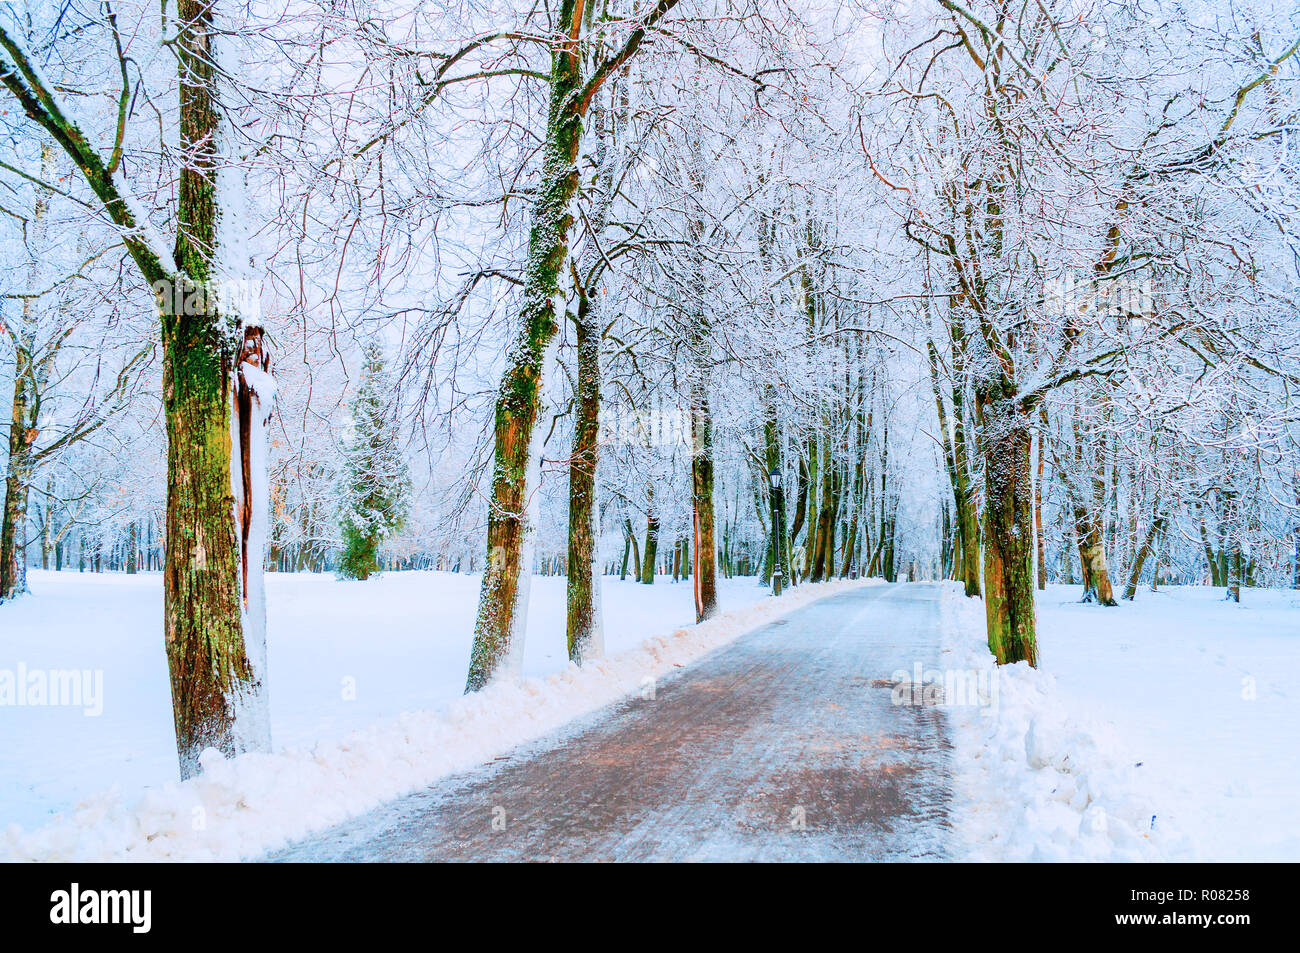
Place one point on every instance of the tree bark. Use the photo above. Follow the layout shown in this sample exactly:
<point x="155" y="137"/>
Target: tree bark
<point x="586" y="638"/>
<point x="780" y="569"/>
<point x="13" y="529"/>
<point x="13" y="555"/>
<point x="1148" y="547"/>
<point x="215" y="672"/>
<point x="704" y="570"/>
<point x="499" y="627"/>
<point x="1008" y="523"/>
<point x="651" y="541"/>
<point x="1040" y="540"/>
<point x="956" y="456"/>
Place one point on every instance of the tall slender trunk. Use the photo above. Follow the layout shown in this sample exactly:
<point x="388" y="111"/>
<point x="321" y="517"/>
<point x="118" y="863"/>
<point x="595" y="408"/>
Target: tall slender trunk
<point x="636" y="548"/>
<point x="23" y="423"/>
<point x="780" y="569"/>
<point x="825" y="527"/>
<point x="851" y="530"/>
<point x="13" y="569"/>
<point x="13" y="527"/>
<point x="800" y="508"/>
<point x="1208" y="547"/>
<point x="132" y="548"/>
<point x="956" y="456"/>
<point x="704" y="570"/>
<point x="503" y="594"/>
<point x="814" y="506"/>
<point x="651" y="540"/>
<point x="1233" y="560"/>
<point x="967" y="511"/>
<point x="1295" y="565"/>
<point x="586" y="637"/>
<point x="1148" y="547"/>
<point x="1040" y="540"/>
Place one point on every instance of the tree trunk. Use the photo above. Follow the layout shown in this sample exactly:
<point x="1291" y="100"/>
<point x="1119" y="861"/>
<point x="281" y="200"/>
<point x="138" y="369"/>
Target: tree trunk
<point x="956" y="457"/>
<point x="1008" y="525"/>
<point x="1092" y="556"/>
<point x="212" y="574"/>
<point x="704" y="571"/>
<point x="132" y="548"/>
<point x="1234" y="560"/>
<point x="651" y="542"/>
<point x="214" y="633"/>
<point x="503" y="595"/>
<point x="1295" y="565"/>
<point x="22" y="432"/>
<point x="1148" y="546"/>
<point x="801" y="501"/>
<point x="1040" y="540"/>
<point x="13" y="529"/>
<point x="1210" y="560"/>
<point x="814" y="508"/>
<point x="586" y="638"/>
<point x="13" y="554"/>
<point x="636" y="548"/>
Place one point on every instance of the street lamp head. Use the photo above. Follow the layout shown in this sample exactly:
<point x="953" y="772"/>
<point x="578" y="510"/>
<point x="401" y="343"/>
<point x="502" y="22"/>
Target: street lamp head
<point x="775" y="477"/>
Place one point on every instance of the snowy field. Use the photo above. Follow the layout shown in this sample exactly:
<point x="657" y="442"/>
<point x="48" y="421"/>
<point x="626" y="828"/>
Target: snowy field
<point x="1162" y="729"/>
<point x="346" y="659"/>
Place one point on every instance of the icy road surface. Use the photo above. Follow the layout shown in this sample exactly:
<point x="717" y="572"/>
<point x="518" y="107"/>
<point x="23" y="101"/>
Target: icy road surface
<point x="782" y="745"/>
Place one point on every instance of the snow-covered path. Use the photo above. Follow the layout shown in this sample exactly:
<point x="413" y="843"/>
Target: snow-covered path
<point x="782" y="745"/>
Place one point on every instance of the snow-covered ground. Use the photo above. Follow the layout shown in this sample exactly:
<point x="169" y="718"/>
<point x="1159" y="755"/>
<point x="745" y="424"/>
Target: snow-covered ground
<point x="1161" y="729"/>
<point x="366" y="683"/>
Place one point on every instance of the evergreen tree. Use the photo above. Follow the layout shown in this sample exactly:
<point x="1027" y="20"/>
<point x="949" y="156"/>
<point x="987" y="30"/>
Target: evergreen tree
<point x="375" y="481"/>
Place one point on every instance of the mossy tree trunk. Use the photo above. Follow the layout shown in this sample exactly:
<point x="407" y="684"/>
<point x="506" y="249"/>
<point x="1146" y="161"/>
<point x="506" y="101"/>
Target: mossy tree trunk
<point x="1038" y="500"/>
<point x="23" y="422"/>
<point x="13" y="555"/>
<point x="503" y="593"/>
<point x="216" y="674"/>
<point x="13" y="552"/>
<point x="957" y="459"/>
<point x="209" y="571"/>
<point x="585" y="636"/>
<point x="651" y="552"/>
<point x="498" y="629"/>
<point x="1008" y="521"/>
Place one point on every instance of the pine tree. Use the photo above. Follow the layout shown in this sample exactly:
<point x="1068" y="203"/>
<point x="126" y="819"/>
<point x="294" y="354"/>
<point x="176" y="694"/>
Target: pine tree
<point x="376" y="485"/>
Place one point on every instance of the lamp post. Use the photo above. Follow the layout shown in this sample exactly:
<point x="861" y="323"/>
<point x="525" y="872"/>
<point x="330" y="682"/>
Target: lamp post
<point x="777" y="500"/>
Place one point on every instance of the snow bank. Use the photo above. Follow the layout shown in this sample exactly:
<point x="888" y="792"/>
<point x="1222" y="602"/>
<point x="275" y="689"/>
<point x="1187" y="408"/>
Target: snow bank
<point x="242" y="807"/>
<point x="1037" y="778"/>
